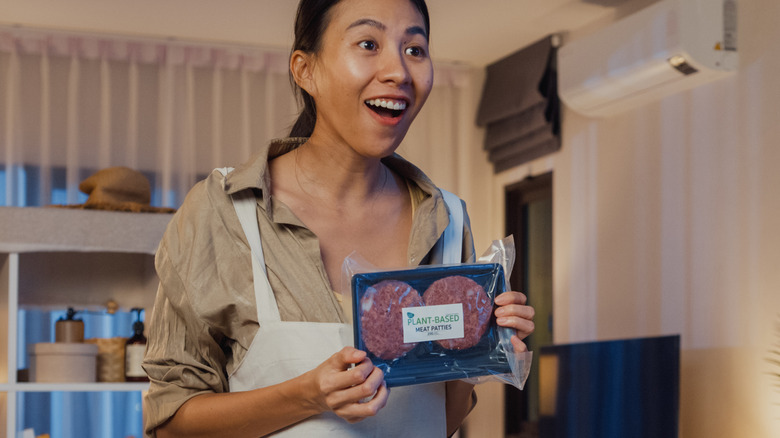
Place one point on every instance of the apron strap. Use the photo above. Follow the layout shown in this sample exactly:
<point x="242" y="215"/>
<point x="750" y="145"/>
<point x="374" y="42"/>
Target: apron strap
<point x="245" y="204"/>
<point x="453" y="234"/>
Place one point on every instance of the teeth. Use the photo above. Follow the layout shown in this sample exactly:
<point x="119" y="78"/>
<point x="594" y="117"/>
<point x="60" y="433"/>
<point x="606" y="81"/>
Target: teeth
<point x="398" y="106"/>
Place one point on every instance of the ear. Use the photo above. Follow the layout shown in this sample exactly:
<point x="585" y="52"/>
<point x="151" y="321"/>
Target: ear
<point x="302" y="69"/>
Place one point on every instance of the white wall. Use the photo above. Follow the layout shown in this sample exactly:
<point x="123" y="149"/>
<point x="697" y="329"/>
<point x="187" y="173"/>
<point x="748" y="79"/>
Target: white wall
<point x="664" y="223"/>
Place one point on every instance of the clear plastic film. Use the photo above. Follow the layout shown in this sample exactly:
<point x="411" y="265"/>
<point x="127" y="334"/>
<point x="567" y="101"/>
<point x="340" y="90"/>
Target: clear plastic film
<point x="436" y="322"/>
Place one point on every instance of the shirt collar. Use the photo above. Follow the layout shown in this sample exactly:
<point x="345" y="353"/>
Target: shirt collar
<point x="254" y="172"/>
<point x="431" y="215"/>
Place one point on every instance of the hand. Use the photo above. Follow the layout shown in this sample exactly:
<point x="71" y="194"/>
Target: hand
<point x="352" y="393"/>
<point x="513" y="313"/>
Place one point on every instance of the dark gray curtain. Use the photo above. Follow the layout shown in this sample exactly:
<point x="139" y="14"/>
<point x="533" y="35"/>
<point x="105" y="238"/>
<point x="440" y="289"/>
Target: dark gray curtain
<point x="520" y="106"/>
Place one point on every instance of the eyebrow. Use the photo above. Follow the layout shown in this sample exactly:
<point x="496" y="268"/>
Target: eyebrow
<point x="413" y="30"/>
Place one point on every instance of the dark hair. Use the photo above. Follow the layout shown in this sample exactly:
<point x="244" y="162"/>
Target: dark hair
<point x="311" y="21"/>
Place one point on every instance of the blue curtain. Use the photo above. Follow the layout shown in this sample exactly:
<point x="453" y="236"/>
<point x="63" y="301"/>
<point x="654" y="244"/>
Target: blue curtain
<point x="77" y="414"/>
<point x="27" y="190"/>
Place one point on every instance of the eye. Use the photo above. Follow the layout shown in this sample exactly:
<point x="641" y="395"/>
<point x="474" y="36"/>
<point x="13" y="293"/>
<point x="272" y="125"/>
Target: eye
<point x="368" y="45"/>
<point x="415" y="51"/>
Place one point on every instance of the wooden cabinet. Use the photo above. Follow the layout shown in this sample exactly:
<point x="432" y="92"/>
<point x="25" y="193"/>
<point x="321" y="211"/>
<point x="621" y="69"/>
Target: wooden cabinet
<point x="52" y="258"/>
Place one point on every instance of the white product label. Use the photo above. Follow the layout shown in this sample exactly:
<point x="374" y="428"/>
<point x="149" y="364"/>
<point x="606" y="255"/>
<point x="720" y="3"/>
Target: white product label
<point x="134" y="355"/>
<point x="433" y="323"/>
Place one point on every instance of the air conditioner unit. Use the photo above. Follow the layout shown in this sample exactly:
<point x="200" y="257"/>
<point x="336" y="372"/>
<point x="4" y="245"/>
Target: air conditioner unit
<point x="667" y="47"/>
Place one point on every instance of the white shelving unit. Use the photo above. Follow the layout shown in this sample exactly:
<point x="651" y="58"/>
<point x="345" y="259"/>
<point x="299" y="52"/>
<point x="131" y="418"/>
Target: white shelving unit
<point x="59" y="257"/>
<point x="73" y="387"/>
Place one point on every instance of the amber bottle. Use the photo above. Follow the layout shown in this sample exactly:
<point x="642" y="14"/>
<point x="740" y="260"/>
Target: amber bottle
<point x="134" y="352"/>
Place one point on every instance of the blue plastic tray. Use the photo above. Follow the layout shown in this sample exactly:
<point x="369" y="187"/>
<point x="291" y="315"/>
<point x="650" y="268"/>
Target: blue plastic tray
<point x="428" y="361"/>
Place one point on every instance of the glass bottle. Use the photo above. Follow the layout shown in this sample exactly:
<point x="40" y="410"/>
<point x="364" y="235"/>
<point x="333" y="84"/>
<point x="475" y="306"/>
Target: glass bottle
<point x="134" y="351"/>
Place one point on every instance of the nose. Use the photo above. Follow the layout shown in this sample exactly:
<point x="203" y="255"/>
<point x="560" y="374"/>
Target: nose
<point x="394" y="68"/>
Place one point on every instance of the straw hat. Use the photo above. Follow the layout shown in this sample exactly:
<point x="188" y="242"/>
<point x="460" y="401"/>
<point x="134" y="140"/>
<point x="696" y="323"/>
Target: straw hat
<point x="118" y="189"/>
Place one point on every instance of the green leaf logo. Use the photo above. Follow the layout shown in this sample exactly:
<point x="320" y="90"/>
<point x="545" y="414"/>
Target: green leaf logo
<point x="410" y="314"/>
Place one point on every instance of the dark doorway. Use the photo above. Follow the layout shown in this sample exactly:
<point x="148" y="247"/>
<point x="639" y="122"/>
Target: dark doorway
<point x="529" y="220"/>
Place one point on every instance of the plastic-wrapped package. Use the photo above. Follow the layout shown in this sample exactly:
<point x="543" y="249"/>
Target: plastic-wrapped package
<point x="436" y="323"/>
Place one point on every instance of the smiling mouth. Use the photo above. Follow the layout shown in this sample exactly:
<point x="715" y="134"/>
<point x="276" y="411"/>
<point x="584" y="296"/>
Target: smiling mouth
<point x="387" y="107"/>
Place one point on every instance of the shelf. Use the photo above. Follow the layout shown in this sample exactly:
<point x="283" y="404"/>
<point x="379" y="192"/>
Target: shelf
<point x="75" y="387"/>
<point x="58" y="257"/>
<point x="37" y="229"/>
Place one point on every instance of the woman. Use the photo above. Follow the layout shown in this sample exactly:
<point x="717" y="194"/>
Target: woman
<point x="247" y="336"/>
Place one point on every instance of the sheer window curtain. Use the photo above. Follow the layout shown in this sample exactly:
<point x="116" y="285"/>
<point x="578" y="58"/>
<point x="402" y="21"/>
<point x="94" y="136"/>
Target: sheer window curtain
<point x="73" y="103"/>
<point x="441" y="138"/>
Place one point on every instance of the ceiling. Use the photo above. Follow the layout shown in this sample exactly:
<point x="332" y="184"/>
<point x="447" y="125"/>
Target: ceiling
<point x="482" y="31"/>
<point x="476" y="32"/>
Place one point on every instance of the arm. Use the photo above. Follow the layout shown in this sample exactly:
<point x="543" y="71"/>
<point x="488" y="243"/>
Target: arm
<point x="187" y="363"/>
<point x="195" y="336"/>
<point x="333" y="386"/>
<point x="460" y="400"/>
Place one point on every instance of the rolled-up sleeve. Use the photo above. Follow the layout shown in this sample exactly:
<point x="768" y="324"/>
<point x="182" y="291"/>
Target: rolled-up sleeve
<point x="200" y="304"/>
<point x="183" y="358"/>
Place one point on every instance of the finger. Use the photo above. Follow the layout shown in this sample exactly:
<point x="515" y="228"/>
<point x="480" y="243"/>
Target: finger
<point x="339" y="378"/>
<point x="365" y="390"/>
<point x="526" y="312"/>
<point x="510" y="297"/>
<point x="339" y="371"/>
<point x="524" y="327"/>
<point x="360" y="373"/>
<point x="348" y="356"/>
<point x="518" y="345"/>
<point x="368" y="407"/>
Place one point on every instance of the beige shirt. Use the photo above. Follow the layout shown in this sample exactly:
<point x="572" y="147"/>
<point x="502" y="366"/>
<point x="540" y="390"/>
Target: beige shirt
<point x="205" y="317"/>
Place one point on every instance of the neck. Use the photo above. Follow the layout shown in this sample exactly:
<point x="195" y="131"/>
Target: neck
<point x="339" y="176"/>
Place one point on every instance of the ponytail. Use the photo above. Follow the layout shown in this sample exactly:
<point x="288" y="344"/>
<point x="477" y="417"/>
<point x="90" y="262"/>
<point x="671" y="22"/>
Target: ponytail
<point x="304" y="125"/>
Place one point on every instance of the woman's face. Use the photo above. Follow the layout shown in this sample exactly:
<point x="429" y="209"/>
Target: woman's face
<point x="372" y="74"/>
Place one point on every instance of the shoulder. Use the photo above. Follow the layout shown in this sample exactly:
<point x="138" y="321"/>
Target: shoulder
<point x="203" y="208"/>
<point x="203" y="261"/>
<point x="432" y="212"/>
<point x="203" y="237"/>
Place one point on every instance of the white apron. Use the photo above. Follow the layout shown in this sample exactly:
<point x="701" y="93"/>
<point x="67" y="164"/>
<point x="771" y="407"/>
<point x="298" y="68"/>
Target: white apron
<point x="282" y="350"/>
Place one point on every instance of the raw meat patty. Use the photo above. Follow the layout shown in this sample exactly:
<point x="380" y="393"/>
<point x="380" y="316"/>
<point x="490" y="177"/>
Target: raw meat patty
<point x="477" y="307"/>
<point x="381" y="319"/>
